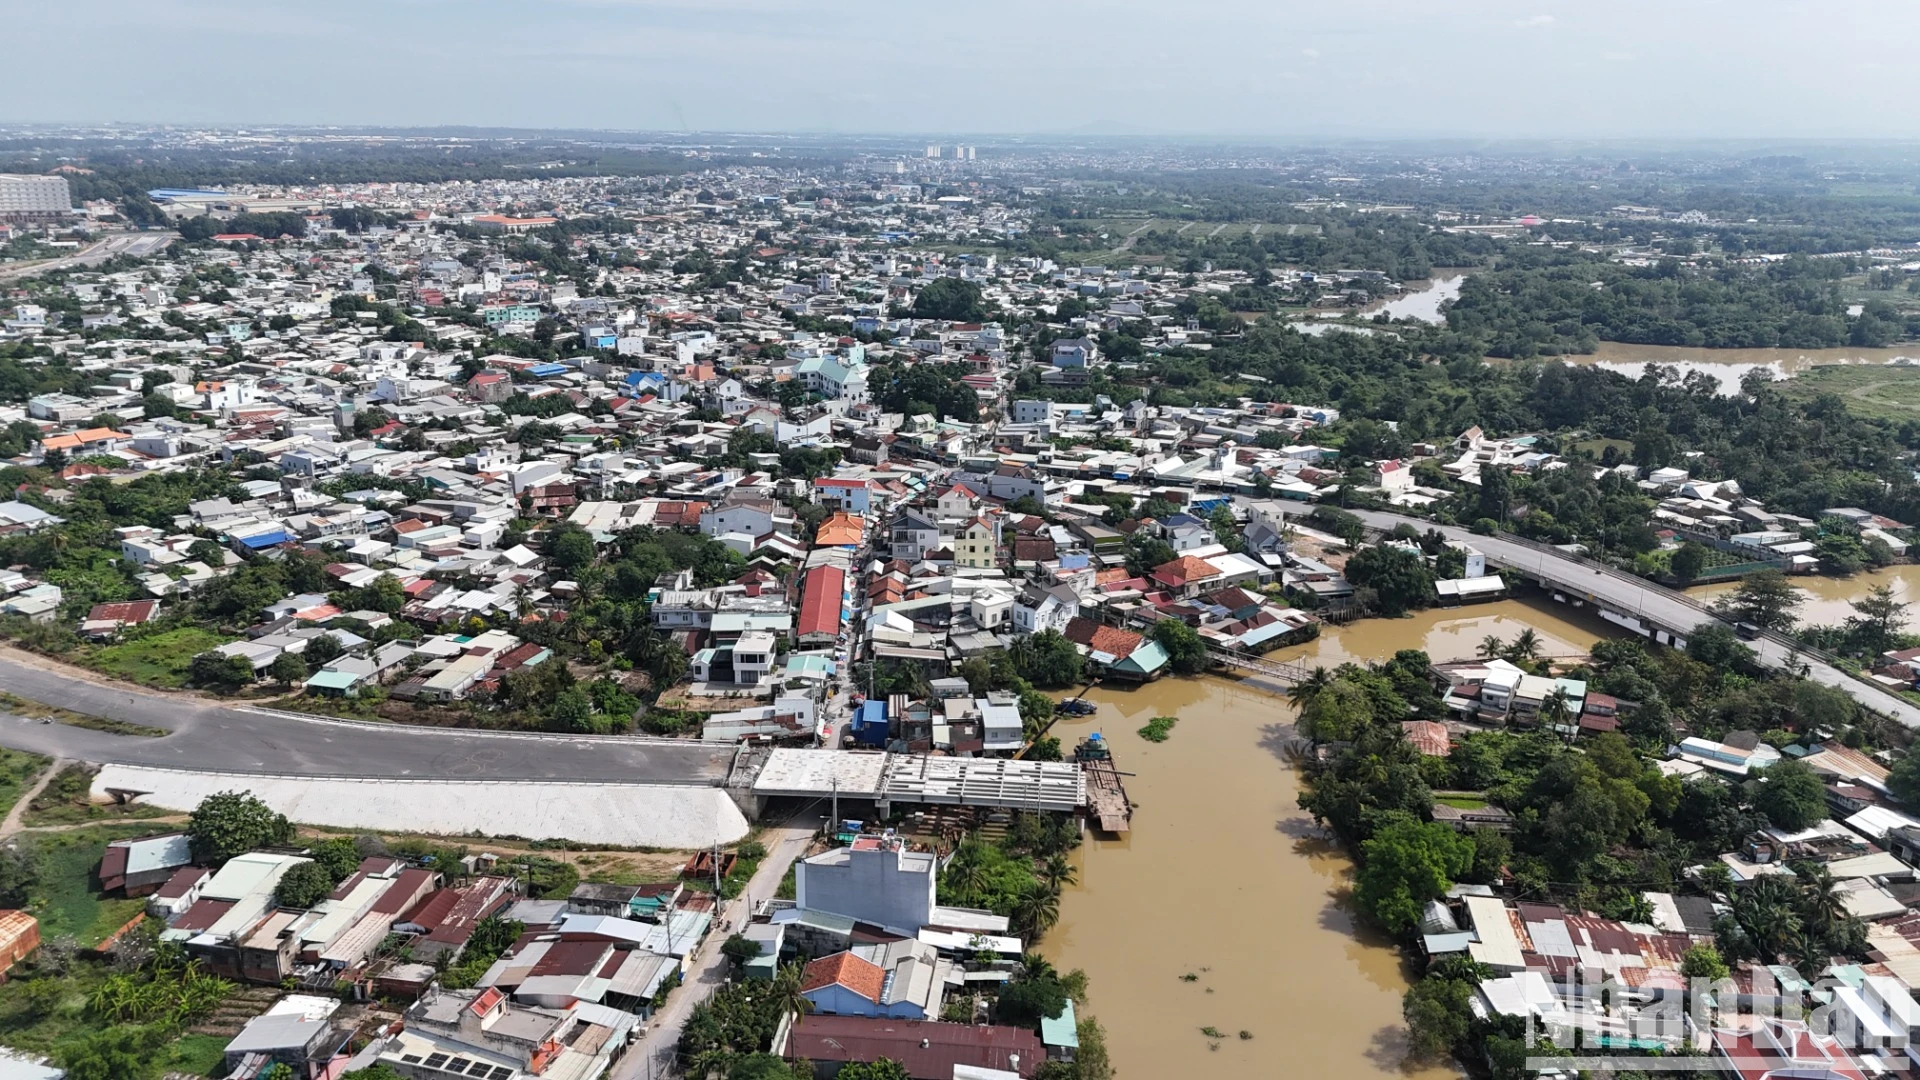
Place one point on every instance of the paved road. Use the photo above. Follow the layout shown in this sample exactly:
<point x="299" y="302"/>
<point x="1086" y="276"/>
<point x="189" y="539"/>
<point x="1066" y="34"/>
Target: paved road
<point x="654" y="1053"/>
<point x="213" y="737"/>
<point x="135" y="244"/>
<point x="1655" y="604"/>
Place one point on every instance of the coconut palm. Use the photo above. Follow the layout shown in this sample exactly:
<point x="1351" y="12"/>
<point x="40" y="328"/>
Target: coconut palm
<point x="786" y="989"/>
<point x="1303" y="692"/>
<point x="1525" y="647"/>
<point x="1058" y="872"/>
<point x="1805" y="951"/>
<point x="1557" y="710"/>
<point x="1491" y="646"/>
<point x="1820" y="902"/>
<point x="966" y="873"/>
<point x="1767" y="910"/>
<point x="1037" y="967"/>
<point x="1037" y="910"/>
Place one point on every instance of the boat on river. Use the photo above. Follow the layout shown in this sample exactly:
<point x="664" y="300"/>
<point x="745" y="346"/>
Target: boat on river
<point x="1107" y="803"/>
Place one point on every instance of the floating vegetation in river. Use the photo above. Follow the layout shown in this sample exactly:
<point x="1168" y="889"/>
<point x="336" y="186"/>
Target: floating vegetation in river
<point x="1159" y="728"/>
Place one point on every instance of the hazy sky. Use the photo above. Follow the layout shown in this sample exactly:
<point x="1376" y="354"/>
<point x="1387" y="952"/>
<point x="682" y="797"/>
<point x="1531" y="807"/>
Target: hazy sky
<point x="1514" y="68"/>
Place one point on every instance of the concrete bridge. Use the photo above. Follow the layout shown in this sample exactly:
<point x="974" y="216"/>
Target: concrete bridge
<point x="1650" y="610"/>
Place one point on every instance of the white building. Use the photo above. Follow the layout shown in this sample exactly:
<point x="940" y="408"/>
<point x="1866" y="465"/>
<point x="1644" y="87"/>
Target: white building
<point x="34" y="196"/>
<point x="876" y="881"/>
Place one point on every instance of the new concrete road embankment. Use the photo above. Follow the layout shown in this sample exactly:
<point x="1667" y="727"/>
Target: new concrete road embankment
<point x="358" y="775"/>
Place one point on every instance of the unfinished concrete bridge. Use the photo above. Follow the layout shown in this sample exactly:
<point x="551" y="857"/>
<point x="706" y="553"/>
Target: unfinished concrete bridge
<point x="1647" y="609"/>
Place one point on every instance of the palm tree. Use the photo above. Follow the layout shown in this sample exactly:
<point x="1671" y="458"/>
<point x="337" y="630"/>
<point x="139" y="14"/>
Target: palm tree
<point x="1037" y="966"/>
<point x="1806" y="951"/>
<point x="966" y="874"/>
<point x="1303" y="692"/>
<point x="1820" y="901"/>
<point x="1491" y="646"/>
<point x="1037" y="910"/>
<point x="1525" y="647"/>
<point x="1766" y="909"/>
<point x="1556" y="712"/>
<point x="1058" y="872"/>
<point x="786" y="990"/>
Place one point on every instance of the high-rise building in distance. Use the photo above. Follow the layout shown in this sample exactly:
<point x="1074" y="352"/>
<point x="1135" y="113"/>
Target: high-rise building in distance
<point x="34" y="196"/>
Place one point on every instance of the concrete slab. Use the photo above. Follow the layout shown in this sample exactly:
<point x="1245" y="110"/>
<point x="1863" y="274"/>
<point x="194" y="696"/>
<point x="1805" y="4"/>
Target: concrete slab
<point x="622" y="815"/>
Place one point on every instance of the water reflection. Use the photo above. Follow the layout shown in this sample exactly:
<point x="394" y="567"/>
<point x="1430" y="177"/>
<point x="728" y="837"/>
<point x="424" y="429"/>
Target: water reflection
<point x="1829" y="599"/>
<point x="1728" y="366"/>
<point x="1422" y="299"/>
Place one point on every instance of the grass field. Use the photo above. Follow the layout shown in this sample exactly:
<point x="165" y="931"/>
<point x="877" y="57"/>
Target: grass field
<point x="67" y="898"/>
<point x="158" y="660"/>
<point x="1873" y="390"/>
<point x="1598" y="446"/>
<point x="65" y="801"/>
<point x="17" y="770"/>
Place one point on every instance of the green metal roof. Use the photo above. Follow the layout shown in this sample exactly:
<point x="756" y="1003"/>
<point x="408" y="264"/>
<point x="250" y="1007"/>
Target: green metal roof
<point x="1061" y="1030"/>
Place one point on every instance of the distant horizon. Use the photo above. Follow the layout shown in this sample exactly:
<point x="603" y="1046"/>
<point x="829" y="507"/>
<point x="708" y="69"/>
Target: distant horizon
<point x="1068" y="69"/>
<point x="947" y="139"/>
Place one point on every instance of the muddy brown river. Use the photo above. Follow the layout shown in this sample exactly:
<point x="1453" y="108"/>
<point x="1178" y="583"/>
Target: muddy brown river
<point x="1828" y="601"/>
<point x="1225" y="878"/>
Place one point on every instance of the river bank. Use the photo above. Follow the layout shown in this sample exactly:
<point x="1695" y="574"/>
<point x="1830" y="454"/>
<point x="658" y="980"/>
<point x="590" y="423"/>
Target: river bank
<point x="1728" y="366"/>
<point x="1224" y="878"/>
<point x="1829" y="600"/>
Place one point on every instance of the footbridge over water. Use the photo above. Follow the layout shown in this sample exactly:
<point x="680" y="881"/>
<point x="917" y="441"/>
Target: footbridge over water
<point x="1650" y="610"/>
<point x="1290" y="673"/>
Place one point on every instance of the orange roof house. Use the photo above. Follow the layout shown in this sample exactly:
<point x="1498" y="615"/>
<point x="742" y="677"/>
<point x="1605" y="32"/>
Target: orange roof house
<point x="1184" y="571"/>
<point x="862" y="977"/>
<point x="81" y="439"/>
<point x="840" y="530"/>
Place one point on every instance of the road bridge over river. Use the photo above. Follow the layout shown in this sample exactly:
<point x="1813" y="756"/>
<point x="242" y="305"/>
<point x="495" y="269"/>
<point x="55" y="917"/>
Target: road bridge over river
<point x="1651" y="610"/>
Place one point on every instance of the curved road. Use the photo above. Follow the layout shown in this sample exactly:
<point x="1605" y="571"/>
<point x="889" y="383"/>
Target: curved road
<point x="1655" y="604"/>
<point x="135" y="244"/>
<point x="209" y="736"/>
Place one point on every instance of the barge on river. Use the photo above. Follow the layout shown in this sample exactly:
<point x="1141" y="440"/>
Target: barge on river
<point x="1107" y="804"/>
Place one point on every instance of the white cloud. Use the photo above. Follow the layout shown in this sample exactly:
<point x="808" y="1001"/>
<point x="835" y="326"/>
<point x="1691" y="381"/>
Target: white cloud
<point x="1534" y="21"/>
<point x="1617" y="57"/>
<point x="1311" y="54"/>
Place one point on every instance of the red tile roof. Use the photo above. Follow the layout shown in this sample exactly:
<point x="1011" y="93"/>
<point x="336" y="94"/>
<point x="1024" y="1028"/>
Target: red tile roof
<point x="1103" y="638"/>
<point x="845" y="969"/>
<point x="1184" y="569"/>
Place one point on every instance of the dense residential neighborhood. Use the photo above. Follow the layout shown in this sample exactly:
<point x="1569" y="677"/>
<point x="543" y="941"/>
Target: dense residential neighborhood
<point x="855" y="499"/>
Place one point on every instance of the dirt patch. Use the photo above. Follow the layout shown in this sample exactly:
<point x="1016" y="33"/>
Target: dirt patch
<point x="622" y="868"/>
